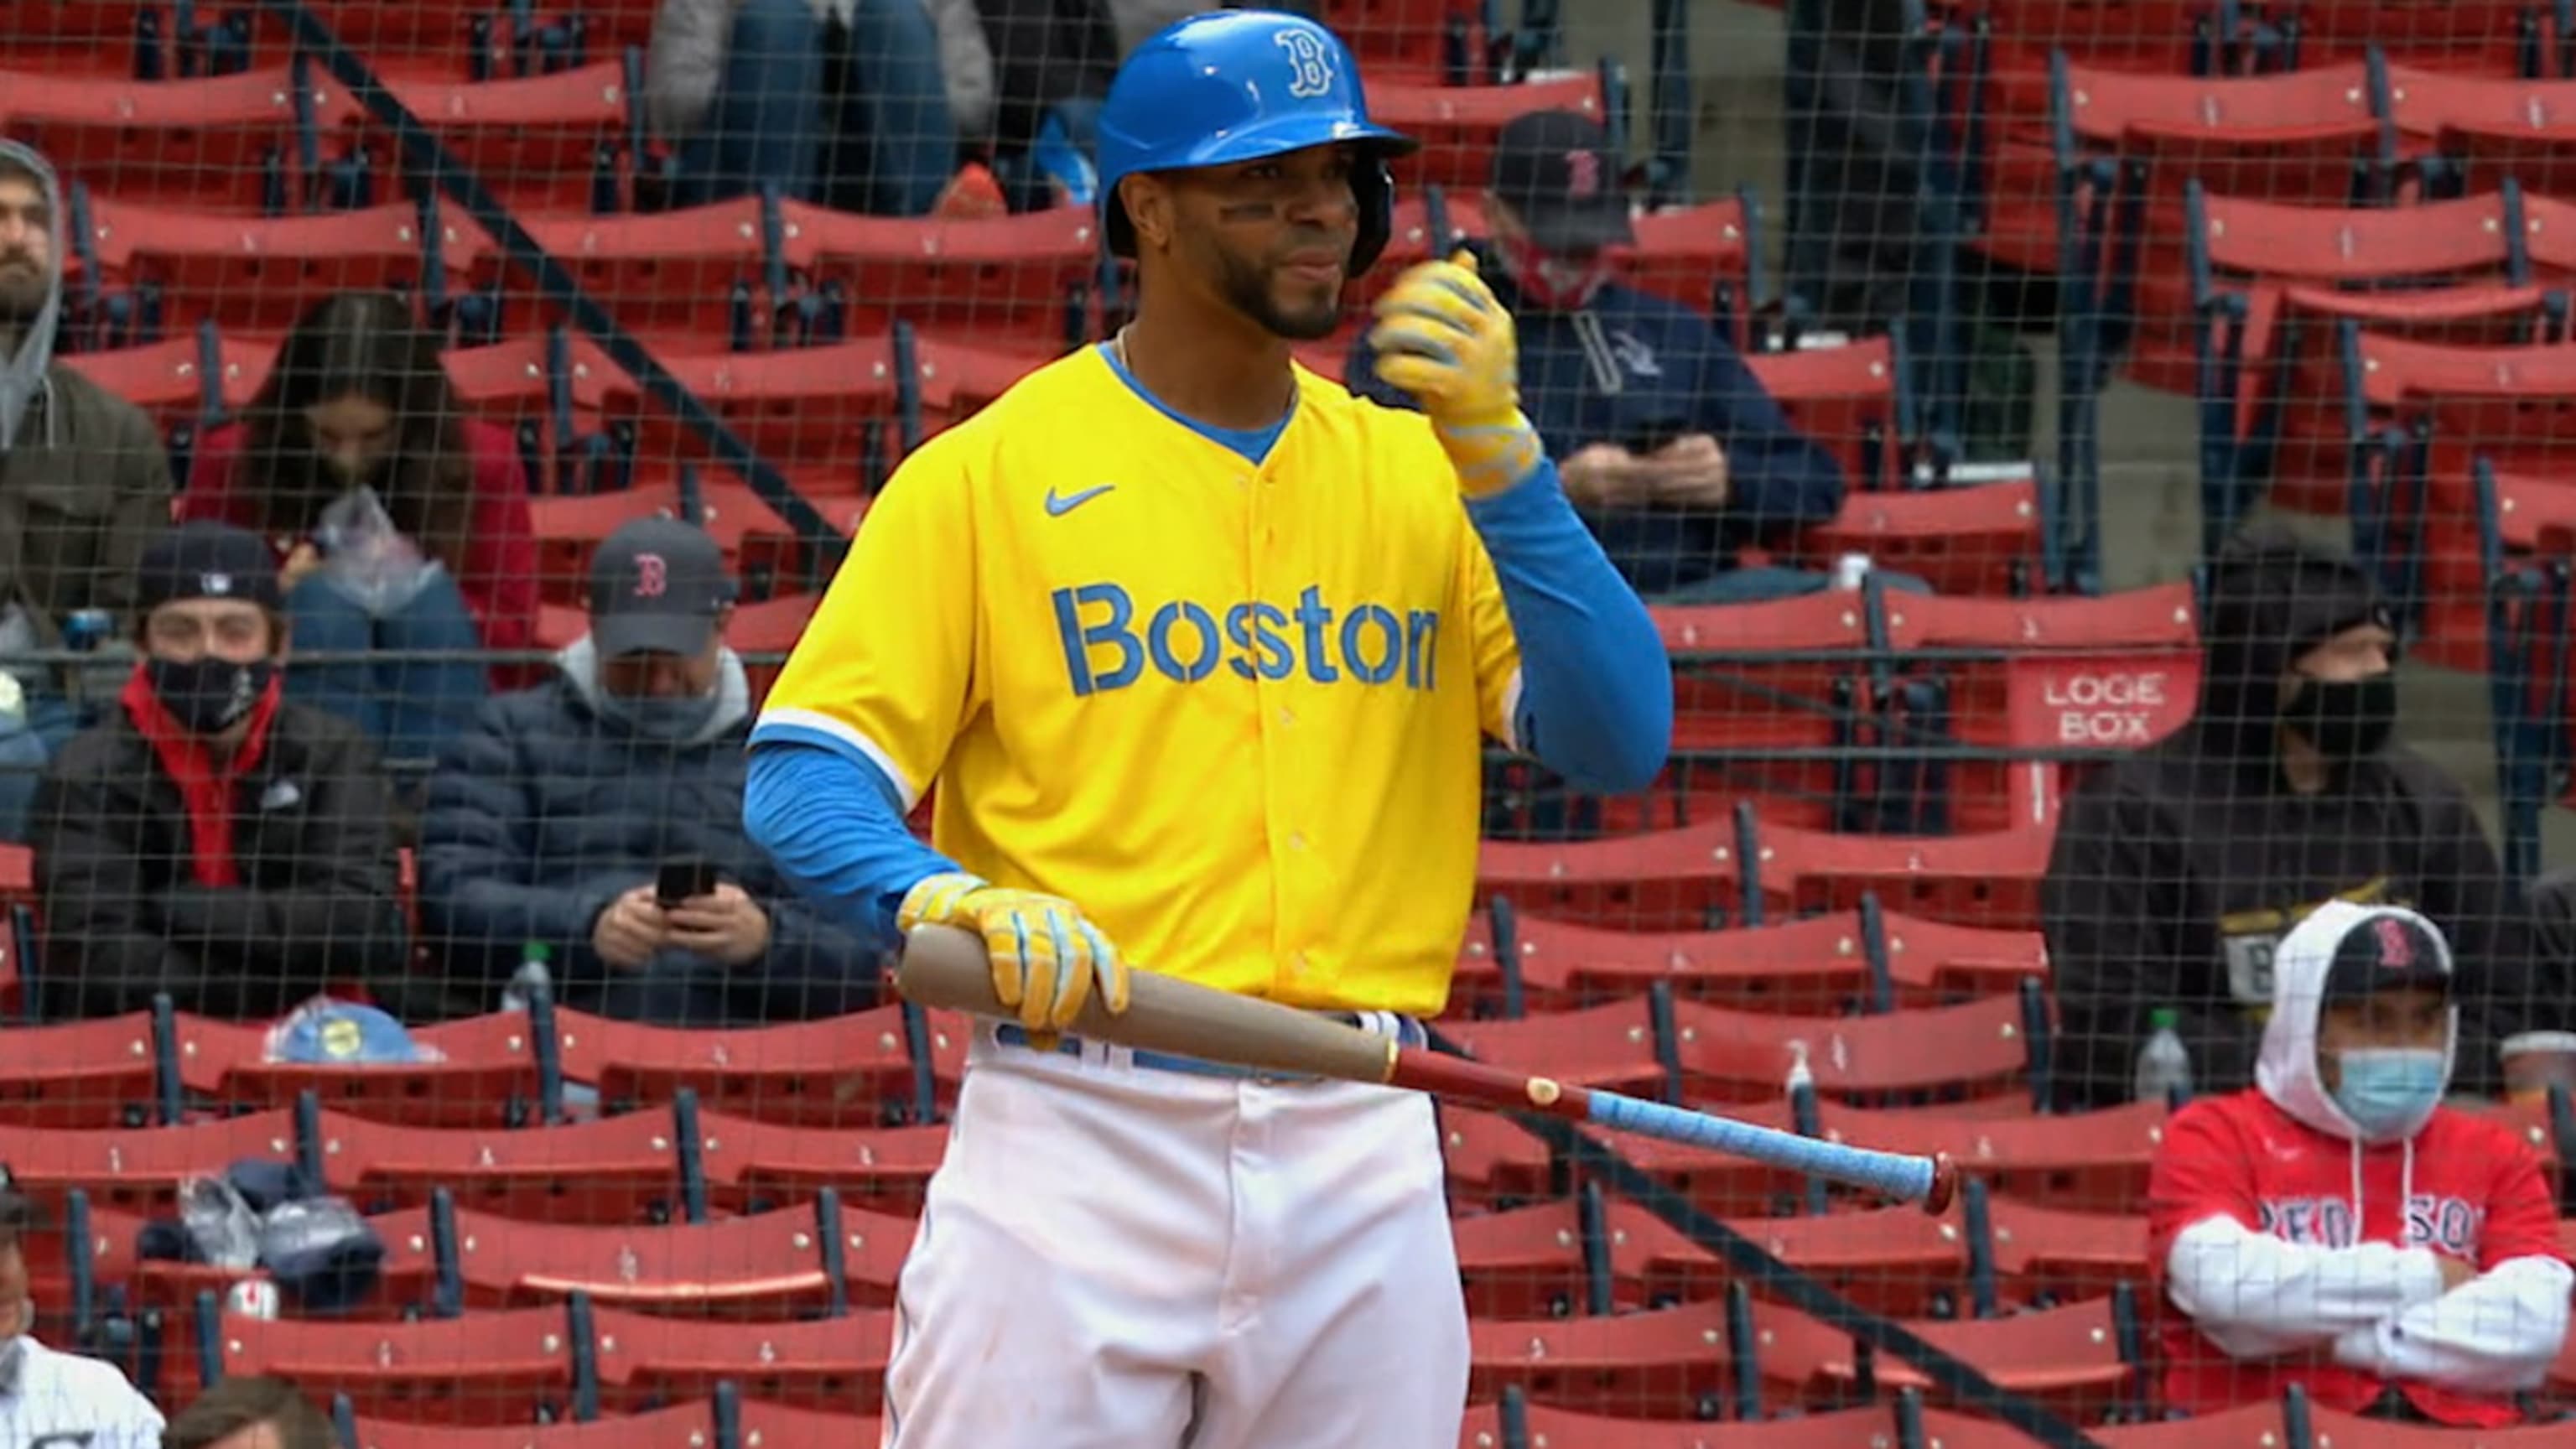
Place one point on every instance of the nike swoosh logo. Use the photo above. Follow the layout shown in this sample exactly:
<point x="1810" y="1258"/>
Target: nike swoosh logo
<point x="1059" y="507"/>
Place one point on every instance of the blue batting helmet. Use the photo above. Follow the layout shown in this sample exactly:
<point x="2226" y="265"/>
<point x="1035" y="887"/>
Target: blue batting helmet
<point x="1237" y="85"/>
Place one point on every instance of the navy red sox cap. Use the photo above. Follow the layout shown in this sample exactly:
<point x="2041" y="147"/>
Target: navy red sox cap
<point x="1558" y="173"/>
<point x="2388" y="951"/>
<point x="657" y="585"/>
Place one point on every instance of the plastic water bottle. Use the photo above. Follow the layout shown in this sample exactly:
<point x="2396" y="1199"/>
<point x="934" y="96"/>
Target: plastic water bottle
<point x="2164" y="1064"/>
<point x="532" y="973"/>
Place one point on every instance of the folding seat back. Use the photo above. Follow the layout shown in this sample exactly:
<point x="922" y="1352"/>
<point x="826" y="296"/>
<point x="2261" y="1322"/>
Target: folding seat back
<point x="102" y="1073"/>
<point x="231" y="142"/>
<point x="254" y="276"/>
<point x="541" y="143"/>
<point x="1458" y="125"/>
<point x="855" y="1070"/>
<point x="1851" y="400"/>
<point x="2488" y="128"/>
<point x="1023" y="282"/>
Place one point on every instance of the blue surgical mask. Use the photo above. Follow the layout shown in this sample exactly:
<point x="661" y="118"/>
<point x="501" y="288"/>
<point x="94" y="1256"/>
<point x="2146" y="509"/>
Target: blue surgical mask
<point x="2389" y="1091"/>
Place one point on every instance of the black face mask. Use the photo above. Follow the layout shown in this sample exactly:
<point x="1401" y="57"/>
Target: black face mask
<point x="2345" y="719"/>
<point x="207" y="695"/>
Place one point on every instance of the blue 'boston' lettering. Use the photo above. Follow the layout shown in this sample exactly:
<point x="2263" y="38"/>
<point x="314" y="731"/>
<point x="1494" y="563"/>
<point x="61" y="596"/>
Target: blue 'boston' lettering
<point x="1096" y="624"/>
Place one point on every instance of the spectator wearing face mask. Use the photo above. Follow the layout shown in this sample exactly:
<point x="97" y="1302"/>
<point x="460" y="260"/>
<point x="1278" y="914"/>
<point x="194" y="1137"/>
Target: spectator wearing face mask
<point x="1665" y="441"/>
<point x="401" y="524"/>
<point x="211" y="840"/>
<point x="2177" y="871"/>
<point x="2335" y="1226"/>
<point x="553" y="819"/>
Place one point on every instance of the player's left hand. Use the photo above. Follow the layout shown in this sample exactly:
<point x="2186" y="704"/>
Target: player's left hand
<point x="1443" y="337"/>
<point x="1047" y="960"/>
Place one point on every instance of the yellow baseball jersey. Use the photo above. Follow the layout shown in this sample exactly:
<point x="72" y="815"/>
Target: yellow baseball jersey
<point x="1231" y="710"/>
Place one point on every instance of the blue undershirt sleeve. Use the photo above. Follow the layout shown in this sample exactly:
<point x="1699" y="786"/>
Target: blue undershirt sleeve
<point x="1596" y="686"/>
<point x="833" y="825"/>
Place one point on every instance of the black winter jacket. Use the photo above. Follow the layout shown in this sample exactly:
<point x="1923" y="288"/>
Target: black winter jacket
<point x="548" y="809"/>
<point x="124" y="917"/>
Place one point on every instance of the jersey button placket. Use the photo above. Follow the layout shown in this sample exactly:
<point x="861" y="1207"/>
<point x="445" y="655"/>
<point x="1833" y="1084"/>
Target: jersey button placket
<point x="1275" y="580"/>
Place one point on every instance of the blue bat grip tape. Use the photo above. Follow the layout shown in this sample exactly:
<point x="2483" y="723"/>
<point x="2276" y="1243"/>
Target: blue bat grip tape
<point x="1890" y="1173"/>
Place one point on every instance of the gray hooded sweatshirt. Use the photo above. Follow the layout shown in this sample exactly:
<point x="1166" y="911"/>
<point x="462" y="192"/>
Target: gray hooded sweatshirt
<point x="84" y="481"/>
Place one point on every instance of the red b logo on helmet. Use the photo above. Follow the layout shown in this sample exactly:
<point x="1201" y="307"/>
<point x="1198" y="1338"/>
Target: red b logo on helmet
<point x="2396" y="948"/>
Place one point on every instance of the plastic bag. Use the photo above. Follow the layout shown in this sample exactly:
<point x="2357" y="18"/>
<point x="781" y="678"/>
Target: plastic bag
<point x="367" y="558"/>
<point x="220" y="1223"/>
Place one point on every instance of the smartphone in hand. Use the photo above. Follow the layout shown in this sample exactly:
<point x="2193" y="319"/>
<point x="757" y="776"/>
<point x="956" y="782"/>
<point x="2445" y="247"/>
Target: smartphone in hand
<point x="680" y="880"/>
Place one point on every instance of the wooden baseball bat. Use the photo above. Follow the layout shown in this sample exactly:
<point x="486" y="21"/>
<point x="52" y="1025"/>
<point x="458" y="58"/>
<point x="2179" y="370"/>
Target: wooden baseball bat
<point x="946" y="968"/>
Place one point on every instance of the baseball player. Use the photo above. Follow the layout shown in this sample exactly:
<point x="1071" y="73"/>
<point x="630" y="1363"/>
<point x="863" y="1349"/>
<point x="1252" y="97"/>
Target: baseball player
<point x="1199" y="649"/>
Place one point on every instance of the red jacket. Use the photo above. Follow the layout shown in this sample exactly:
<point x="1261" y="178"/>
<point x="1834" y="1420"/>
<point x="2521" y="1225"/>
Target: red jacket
<point x="499" y="578"/>
<point x="2278" y="1284"/>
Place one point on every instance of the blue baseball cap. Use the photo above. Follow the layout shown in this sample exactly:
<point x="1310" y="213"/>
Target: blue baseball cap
<point x="328" y="1033"/>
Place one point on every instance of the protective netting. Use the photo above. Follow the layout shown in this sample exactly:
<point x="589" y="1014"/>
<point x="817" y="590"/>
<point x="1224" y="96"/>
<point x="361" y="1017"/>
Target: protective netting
<point x="2095" y="469"/>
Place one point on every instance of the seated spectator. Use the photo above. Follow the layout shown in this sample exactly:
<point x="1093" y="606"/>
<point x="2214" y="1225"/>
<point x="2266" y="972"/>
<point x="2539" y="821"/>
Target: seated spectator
<point x="211" y="840"/>
<point x="2177" y="871"/>
<point x="852" y="104"/>
<point x="2336" y="1227"/>
<point x="1665" y="440"/>
<point x="551" y="823"/>
<point x="400" y="523"/>
<point x="250" y="1411"/>
<point x="83" y="484"/>
<point x="50" y="1399"/>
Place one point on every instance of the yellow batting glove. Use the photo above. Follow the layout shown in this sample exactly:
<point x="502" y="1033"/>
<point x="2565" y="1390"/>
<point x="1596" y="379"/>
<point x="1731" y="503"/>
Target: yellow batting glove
<point x="1443" y="338"/>
<point x="1046" y="958"/>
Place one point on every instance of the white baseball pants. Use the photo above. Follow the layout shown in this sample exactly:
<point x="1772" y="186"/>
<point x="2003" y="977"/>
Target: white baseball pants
<point x="1116" y="1256"/>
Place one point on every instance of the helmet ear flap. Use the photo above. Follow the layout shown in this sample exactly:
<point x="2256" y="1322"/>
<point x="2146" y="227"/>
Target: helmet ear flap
<point x="1373" y="188"/>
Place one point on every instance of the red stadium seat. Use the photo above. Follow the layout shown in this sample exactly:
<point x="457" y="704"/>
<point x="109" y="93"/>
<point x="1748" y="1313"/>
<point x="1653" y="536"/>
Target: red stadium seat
<point x="2121" y="671"/>
<point x="1457" y="125"/>
<point x="847" y="1071"/>
<point x="882" y="1169"/>
<point x="1742" y="681"/>
<point x="1616" y="1046"/>
<point x="667" y="276"/>
<point x="1008" y="281"/>
<point x="810" y="407"/>
<point x="1898" y="1261"/>
<point x="2067" y="1255"/>
<point x="1721" y="1183"/>
<point x="2069" y="1357"/>
<point x="139" y="1169"/>
<point x="1870" y="1426"/>
<point x="2252" y="1426"/>
<point x="1978" y="1048"/>
<point x="1990" y="879"/>
<point x="1671" y="1363"/>
<point x="772" y="1265"/>
<point x="837" y="1362"/>
<point x="79" y="1074"/>
<point x="1489" y="1159"/>
<point x="2092" y="1161"/>
<point x="1812" y="966"/>
<point x="1980" y="538"/>
<point x="1675" y="880"/>
<point x="216" y="142"/>
<point x="255" y="275"/>
<point x="1846" y="398"/>
<point x="1686" y="254"/>
<point x="167" y="379"/>
<point x="680" y="1426"/>
<point x="492" y="1369"/>
<point x="2492" y="127"/>
<point x="1524" y="1263"/>
<point x="614" y="1169"/>
<point x="2510" y="405"/>
<point x="487" y="1075"/>
<point x="2271" y="282"/>
<point x="535" y="141"/>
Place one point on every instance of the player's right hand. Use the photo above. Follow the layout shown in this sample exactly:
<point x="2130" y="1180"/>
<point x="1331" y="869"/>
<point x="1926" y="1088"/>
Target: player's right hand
<point x="1047" y="960"/>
